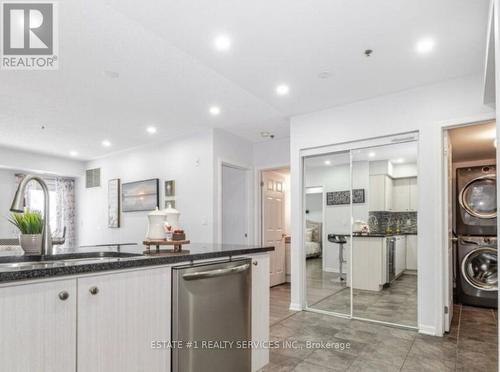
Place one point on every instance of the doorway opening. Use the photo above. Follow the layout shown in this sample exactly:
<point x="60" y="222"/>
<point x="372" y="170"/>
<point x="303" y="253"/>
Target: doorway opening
<point x="470" y="218"/>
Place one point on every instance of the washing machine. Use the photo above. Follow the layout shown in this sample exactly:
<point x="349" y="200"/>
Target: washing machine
<point x="476" y="207"/>
<point x="477" y="282"/>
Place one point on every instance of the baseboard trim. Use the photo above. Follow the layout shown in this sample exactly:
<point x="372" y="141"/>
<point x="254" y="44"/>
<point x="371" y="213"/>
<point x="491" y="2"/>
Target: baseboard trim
<point x="295" y="307"/>
<point x="427" y="330"/>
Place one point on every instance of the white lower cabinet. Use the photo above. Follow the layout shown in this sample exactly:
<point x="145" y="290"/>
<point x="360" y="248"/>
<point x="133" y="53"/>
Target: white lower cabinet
<point x="411" y="252"/>
<point x="119" y="315"/>
<point x="38" y="327"/>
<point x="400" y="255"/>
<point x="260" y="310"/>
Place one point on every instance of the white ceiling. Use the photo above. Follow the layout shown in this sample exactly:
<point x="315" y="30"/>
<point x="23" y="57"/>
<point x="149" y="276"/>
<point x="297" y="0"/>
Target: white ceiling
<point x="473" y="143"/>
<point x="169" y="73"/>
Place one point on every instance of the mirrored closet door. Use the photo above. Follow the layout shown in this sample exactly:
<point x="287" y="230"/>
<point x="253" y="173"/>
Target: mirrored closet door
<point x="360" y="231"/>
<point x="327" y="220"/>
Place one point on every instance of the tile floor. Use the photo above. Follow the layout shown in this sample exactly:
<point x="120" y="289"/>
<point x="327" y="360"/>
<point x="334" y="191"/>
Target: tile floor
<point x="470" y="346"/>
<point x="396" y="304"/>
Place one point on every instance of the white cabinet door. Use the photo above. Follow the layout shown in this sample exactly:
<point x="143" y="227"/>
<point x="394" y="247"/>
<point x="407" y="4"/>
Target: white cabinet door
<point x="400" y="254"/>
<point x="401" y="194"/>
<point x="413" y="194"/>
<point x="411" y="252"/>
<point x="367" y="263"/>
<point x="388" y="193"/>
<point x="380" y="193"/>
<point x="119" y="316"/>
<point x="38" y="327"/>
<point x="260" y="309"/>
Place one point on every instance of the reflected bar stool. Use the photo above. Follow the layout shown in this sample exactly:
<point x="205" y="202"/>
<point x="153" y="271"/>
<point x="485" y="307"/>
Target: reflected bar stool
<point x="340" y="240"/>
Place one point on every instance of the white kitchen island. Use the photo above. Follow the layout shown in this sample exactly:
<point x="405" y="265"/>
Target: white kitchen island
<point x="107" y="321"/>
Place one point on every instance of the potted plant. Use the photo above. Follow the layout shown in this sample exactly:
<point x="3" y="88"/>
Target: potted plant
<point x="30" y="225"/>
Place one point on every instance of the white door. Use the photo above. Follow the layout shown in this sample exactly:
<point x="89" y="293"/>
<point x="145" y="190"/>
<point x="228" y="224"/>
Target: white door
<point x="448" y="220"/>
<point x="119" y="316"/>
<point x="273" y="223"/>
<point x="234" y="205"/>
<point x="38" y="327"/>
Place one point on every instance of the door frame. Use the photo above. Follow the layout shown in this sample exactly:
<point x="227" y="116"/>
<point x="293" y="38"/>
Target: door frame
<point x="445" y="128"/>
<point x="248" y="174"/>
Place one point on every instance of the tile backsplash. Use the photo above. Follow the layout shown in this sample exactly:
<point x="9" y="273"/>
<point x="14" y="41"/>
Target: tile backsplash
<point x="379" y="221"/>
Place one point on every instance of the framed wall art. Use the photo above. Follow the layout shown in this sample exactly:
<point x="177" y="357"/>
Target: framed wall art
<point x="140" y="195"/>
<point x="114" y="203"/>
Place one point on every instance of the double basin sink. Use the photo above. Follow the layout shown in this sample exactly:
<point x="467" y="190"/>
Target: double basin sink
<point x="18" y="263"/>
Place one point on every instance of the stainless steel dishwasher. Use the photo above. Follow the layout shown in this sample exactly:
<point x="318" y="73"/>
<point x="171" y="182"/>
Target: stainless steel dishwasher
<point x="211" y="316"/>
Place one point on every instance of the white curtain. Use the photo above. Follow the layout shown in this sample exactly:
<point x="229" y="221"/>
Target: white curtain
<point x="63" y="205"/>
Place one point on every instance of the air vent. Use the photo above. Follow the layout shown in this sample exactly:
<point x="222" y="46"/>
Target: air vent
<point x="93" y="178"/>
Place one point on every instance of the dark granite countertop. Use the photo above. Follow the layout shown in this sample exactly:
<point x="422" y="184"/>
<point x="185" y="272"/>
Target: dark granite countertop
<point x="381" y="235"/>
<point x="377" y="235"/>
<point x="115" y="257"/>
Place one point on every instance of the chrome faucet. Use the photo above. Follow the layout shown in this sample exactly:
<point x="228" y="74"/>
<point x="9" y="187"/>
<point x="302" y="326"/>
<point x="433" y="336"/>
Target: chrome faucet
<point x="18" y="206"/>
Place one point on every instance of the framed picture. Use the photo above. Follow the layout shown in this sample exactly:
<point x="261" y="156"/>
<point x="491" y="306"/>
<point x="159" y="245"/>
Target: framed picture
<point x="140" y="195"/>
<point x="114" y="203"/>
<point x="169" y="204"/>
<point x="169" y="188"/>
<point x="344" y="197"/>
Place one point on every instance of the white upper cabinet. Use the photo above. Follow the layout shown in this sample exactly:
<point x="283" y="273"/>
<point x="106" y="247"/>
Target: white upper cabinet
<point x="380" y="193"/>
<point x="405" y="195"/>
<point x="38" y="327"/>
<point x="413" y="194"/>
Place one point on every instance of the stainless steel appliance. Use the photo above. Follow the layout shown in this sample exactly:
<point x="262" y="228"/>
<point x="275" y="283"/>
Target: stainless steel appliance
<point x="477" y="282"/>
<point x="476" y="201"/>
<point x="390" y="260"/>
<point x="211" y="302"/>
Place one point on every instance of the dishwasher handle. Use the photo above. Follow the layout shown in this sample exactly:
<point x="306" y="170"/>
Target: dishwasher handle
<point x="215" y="273"/>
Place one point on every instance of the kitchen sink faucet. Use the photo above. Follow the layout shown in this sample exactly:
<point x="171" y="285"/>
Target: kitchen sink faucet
<point x="18" y="206"/>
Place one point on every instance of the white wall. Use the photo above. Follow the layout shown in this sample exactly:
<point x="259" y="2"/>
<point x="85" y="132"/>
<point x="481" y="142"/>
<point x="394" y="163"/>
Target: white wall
<point x="187" y="160"/>
<point x="338" y="217"/>
<point x="425" y="109"/>
<point x="272" y="154"/>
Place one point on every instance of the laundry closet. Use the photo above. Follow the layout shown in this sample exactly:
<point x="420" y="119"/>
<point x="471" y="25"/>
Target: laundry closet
<point x="471" y="156"/>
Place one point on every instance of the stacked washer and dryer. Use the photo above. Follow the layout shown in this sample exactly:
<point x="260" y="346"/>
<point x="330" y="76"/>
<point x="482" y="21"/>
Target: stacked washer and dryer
<point x="476" y="228"/>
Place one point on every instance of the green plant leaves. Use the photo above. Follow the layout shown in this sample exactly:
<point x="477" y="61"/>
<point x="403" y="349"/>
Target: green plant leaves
<point x="29" y="222"/>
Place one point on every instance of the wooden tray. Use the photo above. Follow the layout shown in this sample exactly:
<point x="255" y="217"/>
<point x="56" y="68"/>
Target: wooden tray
<point x="177" y="245"/>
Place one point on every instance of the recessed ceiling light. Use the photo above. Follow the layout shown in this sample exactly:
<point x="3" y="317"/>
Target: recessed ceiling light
<point x="282" y="89"/>
<point x="371" y="154"/>
<point x="73" y="153"/>
<point x="324" y="75"/>
<point x="151" y="130"/>
<point x="328" y="162"/>
<point x="214" y="110"/>
<point x="106" y="143"/>
<point x="425" y="45"/>
<point x="222" y="43"/>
